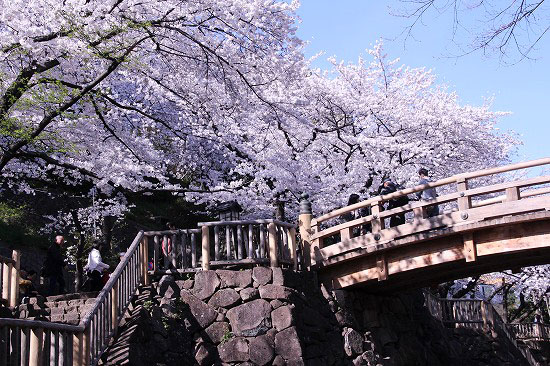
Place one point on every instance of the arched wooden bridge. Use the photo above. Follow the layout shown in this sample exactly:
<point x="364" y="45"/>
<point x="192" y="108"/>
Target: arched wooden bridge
<point x="488" y="221"/>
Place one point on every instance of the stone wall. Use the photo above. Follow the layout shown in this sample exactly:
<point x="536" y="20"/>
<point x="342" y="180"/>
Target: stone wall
<point x="266" y="316"/>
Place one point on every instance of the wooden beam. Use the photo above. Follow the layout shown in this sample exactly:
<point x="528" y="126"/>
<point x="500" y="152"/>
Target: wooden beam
<point x="512" y="194"/>
<point x="382" y="267"/>
<point x="470" y="252"/>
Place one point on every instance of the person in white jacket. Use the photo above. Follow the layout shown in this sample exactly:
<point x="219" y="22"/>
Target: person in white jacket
<point x="95" y="267"/>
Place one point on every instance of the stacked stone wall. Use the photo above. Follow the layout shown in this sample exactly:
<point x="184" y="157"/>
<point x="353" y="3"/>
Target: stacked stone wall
<point x="265" y="316"/>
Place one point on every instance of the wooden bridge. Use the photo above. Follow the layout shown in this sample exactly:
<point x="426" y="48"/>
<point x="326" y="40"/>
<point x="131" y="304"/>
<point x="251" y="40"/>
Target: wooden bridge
<point x="488" y="221"/>
<point x="482" y="227"/>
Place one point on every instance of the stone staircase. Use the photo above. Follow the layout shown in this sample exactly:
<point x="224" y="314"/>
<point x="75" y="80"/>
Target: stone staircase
<point x="121" y="350"/>
<point x="66" y="309"/>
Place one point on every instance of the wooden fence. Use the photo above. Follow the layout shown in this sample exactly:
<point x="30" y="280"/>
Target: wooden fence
<point x="475" y="314"/>
<point x="530" y="331"/>
<point x="223" y="243"/>
<point x="9" y="279"/>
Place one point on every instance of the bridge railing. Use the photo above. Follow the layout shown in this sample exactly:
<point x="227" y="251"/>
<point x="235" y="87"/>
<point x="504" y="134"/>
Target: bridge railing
<point x="330" y="238"/>
<point x="530" y="331"/>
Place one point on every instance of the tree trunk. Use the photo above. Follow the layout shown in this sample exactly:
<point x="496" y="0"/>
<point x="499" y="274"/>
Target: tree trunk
<point x="107" y="234"/>
<point x="79" y="252"/>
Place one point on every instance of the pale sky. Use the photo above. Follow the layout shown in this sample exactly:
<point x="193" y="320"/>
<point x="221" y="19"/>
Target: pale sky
<point x="346" y="28"/>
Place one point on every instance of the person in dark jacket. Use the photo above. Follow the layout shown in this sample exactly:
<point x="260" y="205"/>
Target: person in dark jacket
<point x="388" y="187"/>
<point x="427" y="194"/>
<point x="54" y="266"/>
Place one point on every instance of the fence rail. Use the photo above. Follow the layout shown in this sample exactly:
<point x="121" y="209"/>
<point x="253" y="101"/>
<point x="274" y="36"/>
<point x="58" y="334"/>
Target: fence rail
<point x="530" y="331"/>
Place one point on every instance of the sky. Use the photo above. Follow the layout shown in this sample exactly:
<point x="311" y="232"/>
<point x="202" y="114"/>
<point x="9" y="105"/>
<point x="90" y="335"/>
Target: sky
<point x="347" y="28"/>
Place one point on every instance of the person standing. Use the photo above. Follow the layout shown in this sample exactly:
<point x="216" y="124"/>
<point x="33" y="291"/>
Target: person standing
<point x="427" y="194"/>
<point x="95" y="267"/>
<point x="53" y="267"/>
<point x="388" y="187"/>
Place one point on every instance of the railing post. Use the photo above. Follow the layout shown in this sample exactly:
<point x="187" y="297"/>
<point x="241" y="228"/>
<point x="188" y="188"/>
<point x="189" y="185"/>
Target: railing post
<point x="464" y="202"/>
<point x="36" y="345"/>
<point x="145" y="263"/>
<point x="205" y="248"/>
<point x="6" y="282"/>
<point x="114" y="306"/>
<point x="304" y="226"/>
<point x="377" y="223"/>
<point x="14" y="291"/>
<point x="292" y="245"/>
<point x="272" y="239"/>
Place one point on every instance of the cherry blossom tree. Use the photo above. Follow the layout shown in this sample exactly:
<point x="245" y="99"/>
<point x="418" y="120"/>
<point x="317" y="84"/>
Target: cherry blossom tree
<point x="214" y="100"/>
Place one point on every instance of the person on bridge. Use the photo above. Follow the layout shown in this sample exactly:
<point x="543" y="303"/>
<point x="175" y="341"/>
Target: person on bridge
<point x="95" y="267"/>
<point x="350" y="216"/>
<point x="388" y="187"/>
<point x="427" y="194"/>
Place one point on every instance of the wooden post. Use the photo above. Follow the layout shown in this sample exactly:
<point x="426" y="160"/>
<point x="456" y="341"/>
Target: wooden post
<point x="36" y="345"/>
<point x="114" y="306"/>
<point x="465" y="202"/>
<point x="382" y="267"/>
<point x="6" y="285"/>
<point x="512" y="194"/>
<point x="272" y="239"/>
<point x="292" y="245"/>
<point x="15" y="274"/>
<point x="470" y="251"/>
<point x="304" y="227"/>
<point x="377" y="223"/>
<point x="86" y="347"/>
<point x="205" y="248"/>
<point x="145" y="263"/>
<point x="77" y="349"/>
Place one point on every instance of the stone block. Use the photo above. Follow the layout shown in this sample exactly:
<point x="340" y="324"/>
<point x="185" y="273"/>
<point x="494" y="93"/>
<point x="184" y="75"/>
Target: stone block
<point x="278" y="278"/>
<point x="250" y="319"/>
<point x="203" y="313"/>
<point x="205" y="355"/>
<point x="282" y="317"/>
<point x="279" y="361"/>
<point x="353" y="342"/>
<point x="225" y="298"/>
<point x="287" y="344"/>
<point x="276" y="303"/>
<point x="248" y="294"/>
<point x="206" y="283"/>
<point x="71" y="318"/>
<point x="234" y="350"/>
<point x="261" y="350"/>
<point x="230" y="278"/>
<point x="217" y="331"/>
<point x="272" y="292"/>
<point x="262" y="275"/>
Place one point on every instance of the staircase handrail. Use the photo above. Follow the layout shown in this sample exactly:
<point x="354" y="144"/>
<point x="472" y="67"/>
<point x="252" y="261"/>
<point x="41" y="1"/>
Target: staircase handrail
<point x="493" y="320"/>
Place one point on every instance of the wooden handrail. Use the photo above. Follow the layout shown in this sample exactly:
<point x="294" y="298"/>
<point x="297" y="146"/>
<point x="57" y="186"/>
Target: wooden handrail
<point x="441" y="182"/>
<point x="247" y="222"/>
<point x="422" y="205"/>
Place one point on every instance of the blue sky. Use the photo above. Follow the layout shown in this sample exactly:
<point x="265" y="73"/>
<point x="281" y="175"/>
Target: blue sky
<point x="346" y="28"/>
